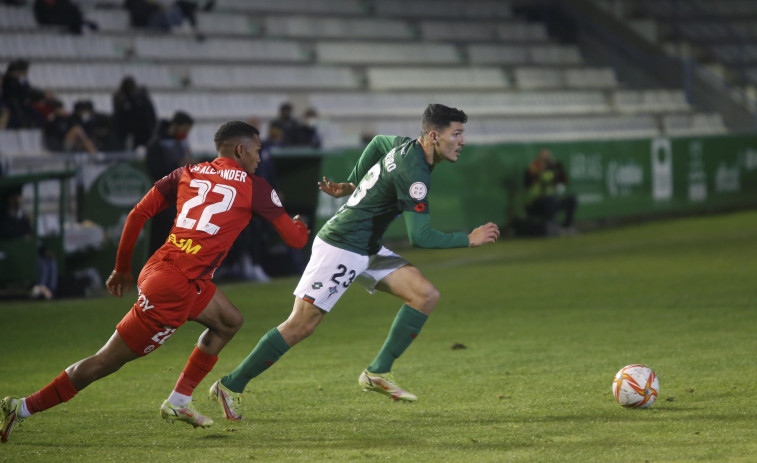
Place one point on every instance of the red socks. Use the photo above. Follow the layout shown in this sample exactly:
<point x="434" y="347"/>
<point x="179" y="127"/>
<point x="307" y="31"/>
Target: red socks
<point x="61" y="390"/>
<point x="198" y="366"/>
<point x="58" y="391"/>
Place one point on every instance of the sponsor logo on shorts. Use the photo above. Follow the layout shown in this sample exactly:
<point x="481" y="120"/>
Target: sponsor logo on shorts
<point x="418" y="190"/>
<point x="185" y="244"/>
<point x="149" y="349"/>
<point x="420" y="207"/>
<point x="317" y="285"/>
<point x="143" y="302"/>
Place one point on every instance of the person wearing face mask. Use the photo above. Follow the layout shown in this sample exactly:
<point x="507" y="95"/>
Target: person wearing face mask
<point x="306" y="133"/>
<point x="167" y="150"/>
<point x="63" y="134"/>
<point x="96" y="125"/>
<point x="133" y="114"/>
<point x="20" y="97"/>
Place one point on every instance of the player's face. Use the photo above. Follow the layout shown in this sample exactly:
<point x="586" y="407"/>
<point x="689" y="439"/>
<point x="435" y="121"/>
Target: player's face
<point x="248" y="154"/>
<point x="450" y="141"/>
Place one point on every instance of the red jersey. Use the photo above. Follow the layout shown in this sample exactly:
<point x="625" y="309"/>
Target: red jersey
<point x="214" y="202"/>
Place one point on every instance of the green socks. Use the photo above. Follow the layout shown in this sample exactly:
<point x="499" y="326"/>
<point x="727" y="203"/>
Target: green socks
<point x="405" y="328"/>
<point x="270" y="348"/>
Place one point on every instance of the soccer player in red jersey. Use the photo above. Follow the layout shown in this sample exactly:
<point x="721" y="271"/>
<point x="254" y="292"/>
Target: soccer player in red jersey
<point x="215" y="201"/>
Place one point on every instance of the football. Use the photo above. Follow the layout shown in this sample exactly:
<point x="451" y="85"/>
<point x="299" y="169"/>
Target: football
<point x="635" y="386"/>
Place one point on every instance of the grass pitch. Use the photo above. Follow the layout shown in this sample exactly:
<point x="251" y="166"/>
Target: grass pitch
<point x="545" y="324"/>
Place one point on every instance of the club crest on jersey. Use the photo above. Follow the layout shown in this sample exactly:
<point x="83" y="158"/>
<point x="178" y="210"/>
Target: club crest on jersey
<point x="275" y="198"/>
<point x="418" y="190"/>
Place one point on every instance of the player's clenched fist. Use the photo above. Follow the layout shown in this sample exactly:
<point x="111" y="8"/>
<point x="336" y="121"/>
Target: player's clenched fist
<point x="487" y="233"/>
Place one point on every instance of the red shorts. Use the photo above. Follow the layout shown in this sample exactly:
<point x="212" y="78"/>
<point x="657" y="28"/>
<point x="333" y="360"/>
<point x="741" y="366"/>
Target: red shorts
<point x="166" y="300"/>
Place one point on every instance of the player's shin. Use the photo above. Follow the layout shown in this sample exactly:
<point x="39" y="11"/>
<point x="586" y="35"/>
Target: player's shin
<point x="406" y="327"/>
<point x="270" y="348"/>
<point x="198" y="366"/>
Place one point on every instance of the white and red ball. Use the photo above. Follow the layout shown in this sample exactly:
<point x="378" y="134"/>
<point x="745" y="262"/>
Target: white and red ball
<point x="635" y="386"/>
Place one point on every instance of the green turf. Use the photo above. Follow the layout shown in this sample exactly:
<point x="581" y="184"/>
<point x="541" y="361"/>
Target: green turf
<point x="546" y="323"/>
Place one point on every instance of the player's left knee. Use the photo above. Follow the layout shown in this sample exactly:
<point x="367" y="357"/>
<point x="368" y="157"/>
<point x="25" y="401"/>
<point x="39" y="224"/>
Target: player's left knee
<point x="427" y="298"/>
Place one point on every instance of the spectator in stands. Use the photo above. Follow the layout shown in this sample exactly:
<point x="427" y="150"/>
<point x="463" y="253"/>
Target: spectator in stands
<point x="153" y="15"/>
<point x="167" y="150"/>
<point x="306" y="133"/>
<point x="134" y="116"/>
<point x="20" y="97"/>
<point x="96" y="125"/>
<point x="546" y="181"/>
<point x="62" y="134"/>
<point x="145" y="13"/>
<point x="15" y="224"/>
<point x="61" y="13"/>
<point x="283" y="129"/>
<point x="5" y="113"/>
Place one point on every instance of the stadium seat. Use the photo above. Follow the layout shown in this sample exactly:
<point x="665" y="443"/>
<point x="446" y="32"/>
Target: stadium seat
<point x="337" y="28"/>
<point x="272" y="76"/>
<point x="386" y="53"/>
<point x="380" y="78"/>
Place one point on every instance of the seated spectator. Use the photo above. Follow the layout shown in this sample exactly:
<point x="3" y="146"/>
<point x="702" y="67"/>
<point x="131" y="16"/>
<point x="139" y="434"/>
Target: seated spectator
<point x="167" y="150"/>
<point x="97" y="126"/>
<point x="20" y="97"/>
<point x="284" y="127"/>
<point x="306" y="132"/>
<point x="151" y="14"/>
<point x="5" y="113"/>
<point x="134" y="116"/>
<point x="144" y="13"/>
<point x="61" y="13"/>
<point x="546" y="182"/>
<point x="62" y="134"/>
<point x="15" y="224"/>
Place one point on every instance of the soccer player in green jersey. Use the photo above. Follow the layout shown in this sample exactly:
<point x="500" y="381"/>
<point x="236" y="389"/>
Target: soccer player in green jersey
<point x="394" y="176"/>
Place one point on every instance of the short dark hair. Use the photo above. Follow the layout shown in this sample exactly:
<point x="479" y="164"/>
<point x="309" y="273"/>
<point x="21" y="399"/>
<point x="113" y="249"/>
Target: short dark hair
<point x="234" y="129"/>
<point x="182" y="118"/>
<point x="439" y="117"/>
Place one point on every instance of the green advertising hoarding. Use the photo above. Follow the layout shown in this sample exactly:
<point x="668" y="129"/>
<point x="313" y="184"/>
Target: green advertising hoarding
<point x="109" y="196"/>
<point x="612" y="179"/>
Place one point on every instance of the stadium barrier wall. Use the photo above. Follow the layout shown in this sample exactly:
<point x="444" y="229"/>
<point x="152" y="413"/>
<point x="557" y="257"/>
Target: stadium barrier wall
<point x="613" y="180"/>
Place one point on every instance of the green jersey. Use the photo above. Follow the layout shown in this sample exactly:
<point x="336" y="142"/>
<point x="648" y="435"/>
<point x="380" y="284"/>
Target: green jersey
<point x="394" y="179"/>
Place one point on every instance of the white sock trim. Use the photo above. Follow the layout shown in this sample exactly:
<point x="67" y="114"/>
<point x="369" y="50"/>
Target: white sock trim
<point x="179" y="400"/>
<point x="23" y="412"/>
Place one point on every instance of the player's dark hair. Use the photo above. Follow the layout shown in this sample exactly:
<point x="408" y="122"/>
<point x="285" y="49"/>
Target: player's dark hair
<point x="234" y="129"/>
<point x="438" y="117"/>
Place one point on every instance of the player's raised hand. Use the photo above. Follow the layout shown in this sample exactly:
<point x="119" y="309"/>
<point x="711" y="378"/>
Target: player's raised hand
<point x="487" y="233"/>
<point x="334" y="189"/>
<point x="119" y="282"/>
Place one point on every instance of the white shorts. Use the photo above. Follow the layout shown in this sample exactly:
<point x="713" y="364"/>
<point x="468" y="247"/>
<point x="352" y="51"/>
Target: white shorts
<point x="331" y="270"/>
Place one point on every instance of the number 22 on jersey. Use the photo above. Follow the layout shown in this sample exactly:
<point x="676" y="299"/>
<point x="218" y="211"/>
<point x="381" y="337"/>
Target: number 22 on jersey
<point x="228" y="194"/>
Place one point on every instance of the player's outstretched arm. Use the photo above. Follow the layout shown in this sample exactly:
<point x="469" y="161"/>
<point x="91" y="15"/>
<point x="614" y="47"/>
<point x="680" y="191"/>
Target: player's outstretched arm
<point x="119" y="282"/>
<point x="487" y="233"/>
<point x="334" y="189"/>
<point x="293" y="231"/>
